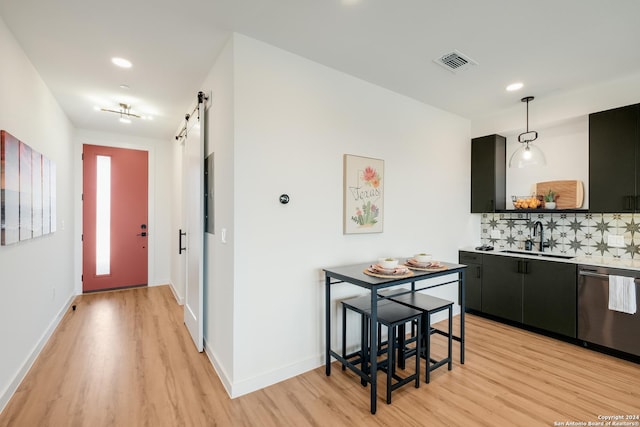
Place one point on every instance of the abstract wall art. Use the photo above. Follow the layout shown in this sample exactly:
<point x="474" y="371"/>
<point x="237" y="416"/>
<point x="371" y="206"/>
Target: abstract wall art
<point x="27" y="191"/>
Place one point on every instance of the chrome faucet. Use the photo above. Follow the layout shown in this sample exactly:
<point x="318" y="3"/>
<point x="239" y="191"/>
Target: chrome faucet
<point x="535" y="228"/>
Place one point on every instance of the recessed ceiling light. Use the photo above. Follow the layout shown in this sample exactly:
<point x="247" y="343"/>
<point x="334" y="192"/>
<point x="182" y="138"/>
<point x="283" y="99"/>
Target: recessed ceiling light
<point x="121" y="62"/>
<point x="123" y="86"/>
<point x="515" y="86"/>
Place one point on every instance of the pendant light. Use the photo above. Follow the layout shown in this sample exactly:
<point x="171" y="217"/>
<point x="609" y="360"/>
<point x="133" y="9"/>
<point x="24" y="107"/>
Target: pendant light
<point x="527" y="155"/>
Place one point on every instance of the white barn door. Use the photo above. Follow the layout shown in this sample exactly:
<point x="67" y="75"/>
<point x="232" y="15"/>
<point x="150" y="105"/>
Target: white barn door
<point x="193" y="212"/>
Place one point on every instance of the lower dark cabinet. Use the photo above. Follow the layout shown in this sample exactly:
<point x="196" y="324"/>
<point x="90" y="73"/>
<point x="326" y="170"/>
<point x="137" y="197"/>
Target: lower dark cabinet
<point x="537" y="293"/>
<point x="549" y="297"/>
<point x="502" y="287"/>
<point x="472" y="279"/>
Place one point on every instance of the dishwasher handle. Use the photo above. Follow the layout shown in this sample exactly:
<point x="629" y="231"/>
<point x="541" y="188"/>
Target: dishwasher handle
<point x="595" y="274"/>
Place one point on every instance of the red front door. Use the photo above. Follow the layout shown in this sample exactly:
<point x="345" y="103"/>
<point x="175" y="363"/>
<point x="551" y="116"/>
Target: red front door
<point x="114" y="215"/>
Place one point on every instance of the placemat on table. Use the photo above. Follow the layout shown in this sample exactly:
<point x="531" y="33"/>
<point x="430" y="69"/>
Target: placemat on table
<point x="388" y="276"/>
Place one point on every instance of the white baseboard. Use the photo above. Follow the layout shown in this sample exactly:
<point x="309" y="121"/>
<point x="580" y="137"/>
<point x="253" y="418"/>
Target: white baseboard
<point x="253" y="384"/>
<point x="6" y="394"/>
<point x="249" y="385"/>
<point x="179" y="299"/>
<point x="222" y="374"/>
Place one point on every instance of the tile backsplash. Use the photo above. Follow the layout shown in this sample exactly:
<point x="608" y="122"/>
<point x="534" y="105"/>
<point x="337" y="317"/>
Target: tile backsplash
<point x="574" y="234"/>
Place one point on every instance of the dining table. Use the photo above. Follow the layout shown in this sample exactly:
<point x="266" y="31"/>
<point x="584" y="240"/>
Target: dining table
<point x="361" y="275"/>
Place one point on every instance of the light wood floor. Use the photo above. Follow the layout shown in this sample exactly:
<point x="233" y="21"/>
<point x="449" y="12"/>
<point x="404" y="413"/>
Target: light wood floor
<point x="125" y="359"/>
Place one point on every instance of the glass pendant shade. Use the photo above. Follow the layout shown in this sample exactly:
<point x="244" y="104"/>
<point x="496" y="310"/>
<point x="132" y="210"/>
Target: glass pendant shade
<point x="527" y="155"/>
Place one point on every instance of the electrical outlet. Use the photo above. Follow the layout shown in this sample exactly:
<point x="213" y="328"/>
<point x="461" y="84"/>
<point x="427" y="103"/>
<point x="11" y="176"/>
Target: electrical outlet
<point x="495" y="234"/>
<point x="615" y="241"/>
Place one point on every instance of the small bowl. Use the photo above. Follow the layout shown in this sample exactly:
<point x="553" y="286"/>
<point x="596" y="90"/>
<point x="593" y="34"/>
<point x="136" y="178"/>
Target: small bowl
<point x="388" y="262"/>
<point x="422" y="257"/>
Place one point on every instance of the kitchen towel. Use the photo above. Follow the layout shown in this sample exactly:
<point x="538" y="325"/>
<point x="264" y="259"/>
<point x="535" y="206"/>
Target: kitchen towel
<point x="622" y="294"/>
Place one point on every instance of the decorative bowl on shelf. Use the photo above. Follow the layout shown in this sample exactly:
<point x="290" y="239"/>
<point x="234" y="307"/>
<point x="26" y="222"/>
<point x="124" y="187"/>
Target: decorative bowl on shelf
<point x="527" y="202"/>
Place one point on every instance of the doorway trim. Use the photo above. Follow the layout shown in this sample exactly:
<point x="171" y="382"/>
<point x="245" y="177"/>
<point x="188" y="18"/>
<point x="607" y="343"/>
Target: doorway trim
<point x="117" y="141"/>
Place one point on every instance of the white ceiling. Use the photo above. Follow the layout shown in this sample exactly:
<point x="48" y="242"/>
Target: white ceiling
<point x="552" y="46"/>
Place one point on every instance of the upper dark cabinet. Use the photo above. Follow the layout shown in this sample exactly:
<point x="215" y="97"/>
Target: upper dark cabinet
<point x="614" y="160"/>
<point x="488" y="173"/>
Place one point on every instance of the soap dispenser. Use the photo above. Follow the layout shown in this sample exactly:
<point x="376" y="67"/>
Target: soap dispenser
<point x="528" y="244"/>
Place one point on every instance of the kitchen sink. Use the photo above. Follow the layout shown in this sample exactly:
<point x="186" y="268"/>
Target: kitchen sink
<point x="540" y="254"/>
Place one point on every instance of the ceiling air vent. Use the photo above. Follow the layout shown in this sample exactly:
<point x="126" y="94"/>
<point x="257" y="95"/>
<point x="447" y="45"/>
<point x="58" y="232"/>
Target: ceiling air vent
<point x="455" y="61"/>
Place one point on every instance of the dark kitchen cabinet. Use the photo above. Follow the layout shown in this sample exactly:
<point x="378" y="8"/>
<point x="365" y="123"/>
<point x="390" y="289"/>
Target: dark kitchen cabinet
<point x="472" y="279"/>
<point x="537" y="293"/>
<point x="614" y="160"/>
<point x="488" y="173"/>
<point x="549" y="296"/>
<point x="502" y="287"/>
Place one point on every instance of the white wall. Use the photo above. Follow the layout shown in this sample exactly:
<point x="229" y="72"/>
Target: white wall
<point x="160" y="198"/>
<point x="294" y="121"/>
<point x="36" y="276"/>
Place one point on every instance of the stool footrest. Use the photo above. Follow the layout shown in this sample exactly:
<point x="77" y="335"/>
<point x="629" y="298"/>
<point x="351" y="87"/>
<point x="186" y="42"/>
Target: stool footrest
<point x="437" y="363"/>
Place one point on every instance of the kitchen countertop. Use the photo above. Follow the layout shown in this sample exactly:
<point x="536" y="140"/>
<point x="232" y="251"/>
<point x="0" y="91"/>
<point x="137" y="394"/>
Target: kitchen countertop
<point x="596" y="261"/>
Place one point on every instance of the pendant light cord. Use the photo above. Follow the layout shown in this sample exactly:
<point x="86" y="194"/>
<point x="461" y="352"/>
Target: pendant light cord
<point x="527" y="114"/>
<point x="527" y="141"/>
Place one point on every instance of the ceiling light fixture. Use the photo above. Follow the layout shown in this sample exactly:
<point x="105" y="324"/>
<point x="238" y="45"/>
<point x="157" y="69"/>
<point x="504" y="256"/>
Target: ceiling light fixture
<point x="527" y="155"/>
<point x="124" y="112"/>
<point x="515" y="86"/>
<point x="121" y="62"/>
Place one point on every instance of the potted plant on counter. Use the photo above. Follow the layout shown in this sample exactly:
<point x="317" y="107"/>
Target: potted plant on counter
<point x="550" y="200"/>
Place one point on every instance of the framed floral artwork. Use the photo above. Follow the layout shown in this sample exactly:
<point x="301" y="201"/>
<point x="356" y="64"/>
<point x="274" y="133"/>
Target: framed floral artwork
<point x="363" y="195"/>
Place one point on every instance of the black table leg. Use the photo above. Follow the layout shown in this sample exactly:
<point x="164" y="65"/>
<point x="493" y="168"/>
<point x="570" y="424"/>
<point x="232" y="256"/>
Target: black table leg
<point x="327" y="323"/>
<point x="373" y="363"/>
<point x="462" y="310"/>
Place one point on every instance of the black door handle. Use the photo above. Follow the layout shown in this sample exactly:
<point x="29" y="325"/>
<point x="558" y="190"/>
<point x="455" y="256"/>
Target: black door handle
<point x="628" y="203"/>
<point x="180" y="248"/>
<point x="523" y="267"/>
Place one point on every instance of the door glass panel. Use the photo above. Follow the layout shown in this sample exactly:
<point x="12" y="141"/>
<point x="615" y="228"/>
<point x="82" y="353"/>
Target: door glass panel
<point x="103" y="215"/>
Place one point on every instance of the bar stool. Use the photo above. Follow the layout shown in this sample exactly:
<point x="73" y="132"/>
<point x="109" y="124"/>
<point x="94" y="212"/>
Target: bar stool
<point x="394" y="316"/>
<point x="430" y="305"/>
<point x="362" y="306"/>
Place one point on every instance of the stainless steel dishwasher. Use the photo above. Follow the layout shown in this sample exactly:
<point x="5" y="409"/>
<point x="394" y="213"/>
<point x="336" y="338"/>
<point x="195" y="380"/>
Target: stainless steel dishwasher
<point x="596" y="323"/>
